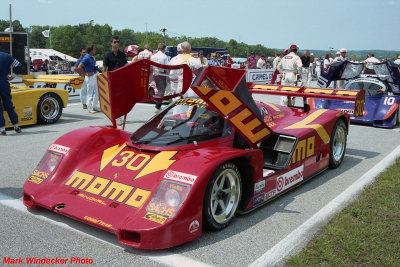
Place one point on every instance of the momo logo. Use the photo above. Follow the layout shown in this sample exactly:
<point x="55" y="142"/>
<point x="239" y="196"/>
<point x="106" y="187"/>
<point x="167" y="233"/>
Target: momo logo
<point x="180" y="177"/>
<point x="290" y="179"/>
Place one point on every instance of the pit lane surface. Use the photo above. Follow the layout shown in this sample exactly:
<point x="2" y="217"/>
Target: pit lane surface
<point x="42" y="234"/>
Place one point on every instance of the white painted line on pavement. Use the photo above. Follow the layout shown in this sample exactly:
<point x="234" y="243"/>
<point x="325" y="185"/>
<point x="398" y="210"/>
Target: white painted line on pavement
<point x="305" y="232"/>
<point x="167" y="259"/>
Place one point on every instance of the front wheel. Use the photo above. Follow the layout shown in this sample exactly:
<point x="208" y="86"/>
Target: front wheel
<point x="337" y="144"/>
<point x="49" y="108"/>
<point x="222" y="197"/>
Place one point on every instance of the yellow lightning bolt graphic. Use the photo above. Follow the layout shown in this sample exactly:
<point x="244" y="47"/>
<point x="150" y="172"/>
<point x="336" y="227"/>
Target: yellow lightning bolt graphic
<point x="109" y="154"/>
<point x="160" y="162"/>
<point x="321" y="131"/>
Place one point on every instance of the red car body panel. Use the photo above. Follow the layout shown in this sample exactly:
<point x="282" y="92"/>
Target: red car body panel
<point x="99" y="177"/>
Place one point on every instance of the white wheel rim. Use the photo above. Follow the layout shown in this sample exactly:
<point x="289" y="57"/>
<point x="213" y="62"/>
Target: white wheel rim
<point x="225" y="196"/>
<point x="49" y="108"/>
<point x="339" y="141"/>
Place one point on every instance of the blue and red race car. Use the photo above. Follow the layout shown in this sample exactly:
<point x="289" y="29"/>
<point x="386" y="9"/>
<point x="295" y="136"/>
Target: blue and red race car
<point x="382" y="96"/>
<point x="194" y="165"/>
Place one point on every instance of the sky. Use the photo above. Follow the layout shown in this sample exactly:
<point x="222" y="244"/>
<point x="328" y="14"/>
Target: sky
<point x="310" y="24"/>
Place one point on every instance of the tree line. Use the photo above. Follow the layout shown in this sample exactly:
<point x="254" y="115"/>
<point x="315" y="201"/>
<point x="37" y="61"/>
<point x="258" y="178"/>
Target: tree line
<point x="69" y="39"/>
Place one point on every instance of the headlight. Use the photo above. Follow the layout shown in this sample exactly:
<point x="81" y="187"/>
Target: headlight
<point x="168" y="198"/>
<point x="46" y="166"/>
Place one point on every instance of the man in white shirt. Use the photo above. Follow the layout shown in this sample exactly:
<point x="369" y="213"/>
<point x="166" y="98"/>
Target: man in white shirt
<point x="275" y="70"/>
<point x="290" y="66"/>
<point x="397" y="61"/>
<point x="176" y="75"/>
<point x="370" y="60"/>
<point x="146" y="53"/>
<point x="159" y="75"/>
<point x="261" y="63"/>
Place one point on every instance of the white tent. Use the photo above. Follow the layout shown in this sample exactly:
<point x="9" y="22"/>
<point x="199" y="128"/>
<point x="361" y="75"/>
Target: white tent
<point x="49" y="54"/>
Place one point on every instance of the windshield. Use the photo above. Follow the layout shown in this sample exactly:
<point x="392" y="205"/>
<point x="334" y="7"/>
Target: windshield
<point x="186" y="121"/>
<point x="371" y="88"/>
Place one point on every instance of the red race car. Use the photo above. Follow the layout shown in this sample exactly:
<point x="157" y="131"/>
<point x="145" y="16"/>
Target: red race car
<point x="194" y="165"/>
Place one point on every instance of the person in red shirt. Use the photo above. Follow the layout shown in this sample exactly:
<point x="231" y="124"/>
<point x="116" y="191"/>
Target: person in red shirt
<point x="252" y="61"/>
<point x="228" y="61"/>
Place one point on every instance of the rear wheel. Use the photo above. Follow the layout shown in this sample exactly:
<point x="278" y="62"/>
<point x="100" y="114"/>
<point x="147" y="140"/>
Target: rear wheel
<point x="49" y="108"/>
<point x="222" y="197"/>
<point x="337" y="144"/>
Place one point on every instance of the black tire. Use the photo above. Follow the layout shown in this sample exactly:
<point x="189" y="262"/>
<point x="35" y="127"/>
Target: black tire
<point x="222" y="197"/>
<point x="338" y="144"/>
<point x="49" y="108"/>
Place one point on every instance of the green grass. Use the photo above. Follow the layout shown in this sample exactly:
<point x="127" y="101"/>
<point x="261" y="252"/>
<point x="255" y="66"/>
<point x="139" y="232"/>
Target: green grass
<point x="367" y="233"/>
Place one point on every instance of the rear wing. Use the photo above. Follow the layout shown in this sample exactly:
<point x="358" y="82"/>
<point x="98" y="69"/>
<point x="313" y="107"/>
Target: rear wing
<point x="307" y="92"/>
<point x="138" y="82"/>
<point x="75" y="81"/>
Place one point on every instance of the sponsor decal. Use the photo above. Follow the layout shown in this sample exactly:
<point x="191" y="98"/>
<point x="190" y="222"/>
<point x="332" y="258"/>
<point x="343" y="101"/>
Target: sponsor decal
<point x="270" y="194"/>
<point x="26" y="119"/>
<point x="155" y="218"/>
<point x="194" y="226"/>
<point x="257" y="200"/>
<point x="27" y="114"/>
<point x="180" y="177"/>
<point x="161" y="208"/>
<point x="260" y="186"/>
<point x="93" y="199"/>
<point x="97" y="221"/>
<point x="108" y="189"/>
<point x="289" y="179"/>
<point x="347" y="110"/>
<point x="305" y="148"/>
<point x="35" y="179"/>
<point x="286" y="181"/>
<point x="40" y="174"/>
<point x="26" y="109"/>
<point x="192" y="102"/>
<point x="260" y="76"/>
<point x="59" y="148"/>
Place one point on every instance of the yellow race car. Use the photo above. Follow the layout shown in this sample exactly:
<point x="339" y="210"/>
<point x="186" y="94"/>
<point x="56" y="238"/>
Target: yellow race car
<point x="37" y="105"/>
